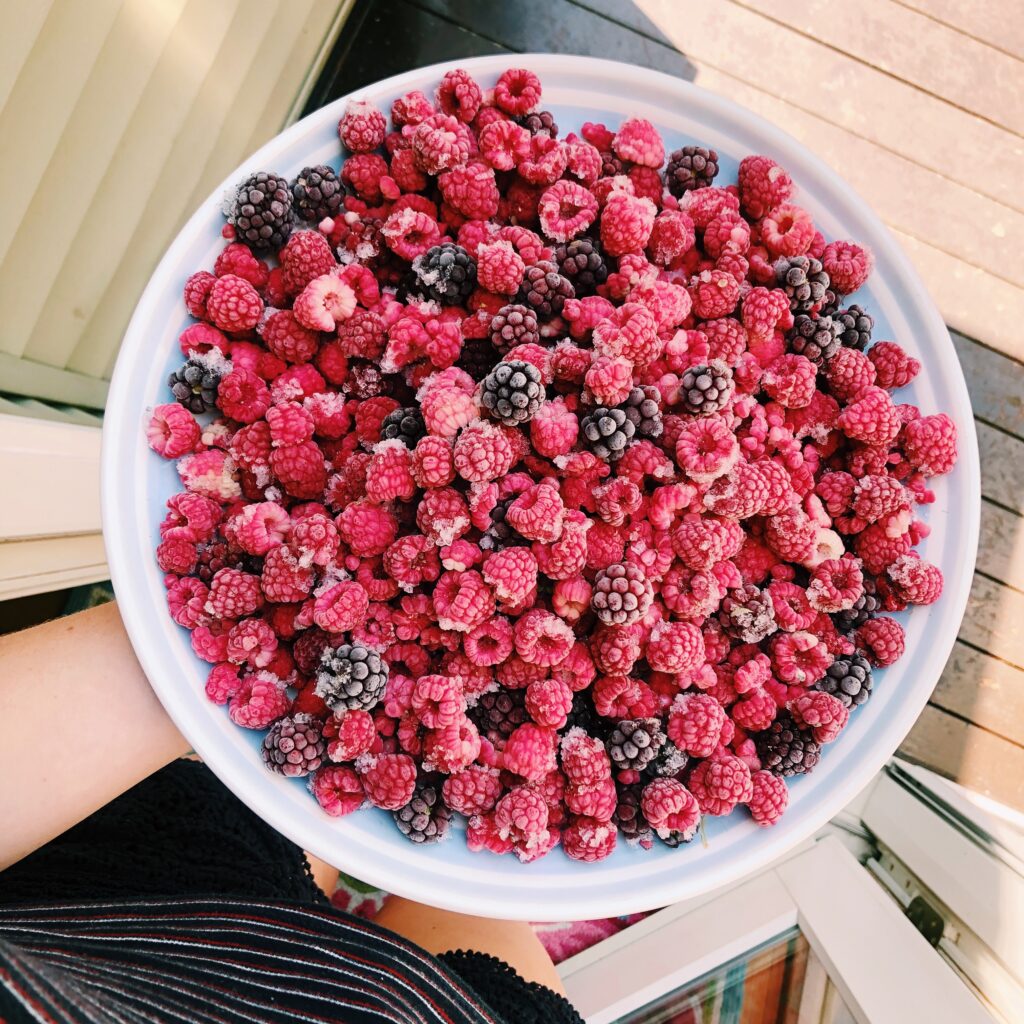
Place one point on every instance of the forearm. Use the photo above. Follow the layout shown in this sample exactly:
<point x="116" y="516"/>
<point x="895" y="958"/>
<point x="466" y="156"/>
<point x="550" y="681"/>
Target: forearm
<point x="79" y="724"/>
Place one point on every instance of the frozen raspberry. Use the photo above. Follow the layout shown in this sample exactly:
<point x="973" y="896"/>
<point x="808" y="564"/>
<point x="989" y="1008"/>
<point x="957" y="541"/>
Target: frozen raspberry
<point x="388" y="779"/>
<point x="763" y="185"/>
<point x="462" y="601"/>
<point x="239" y="260"/>
<point x="522" y="817"/>
<point x="517" y="92"/>
<point x="626" y="223"/>
<point x="471" y="190"/>
<point x="790" y="381"/>
<point x="872" y="418"/>
<point x="473" y="790"/>
<point x="349" y="733"/>
<point x="893" y="367"/>
<point x="825" y="715"/>
<point x="695" y="723"/>
<point x="930" y="444"/>
<point x="847" y="264"/>
<point x="368" y="529"/>
<point x="836" y="585"/>
<point x="537" y="513"/>
<point x="340" y="608"/>
<point x="849" y="372"/>
<point x="233" y="304"/>
<point x="260" y="701"/>
<point x="176" y="555"/>
<point x="787" y="231"/>
<point x="566" y="210"/>
<point x="530" y="751"/>
<point x="714" y="293"/>
<point x="720" y="783"/>
<point x="233" y="594"/>
<point x="324" y="303"/>
<point x="490" y="643"/>
<point x="411" y="108"/>
<point x="441" y="142"/>
<point x="186" y="600"/>
<point x="300" y="469"/>
<point x="288" y="339"/>
<point x="482" y="453"/>
<point x="172" y="431"/>
<point x="549" y="702"/>
<point x="542" y="638"/>
<point x="638" y="141"/>
<point x="675" y="647"/>
<point x="459" y="95"/>
<point x="438" y="701"/>
<point x="512" y="573"/>
<point x="305" y="256"/>
<point x="584" y="759"/>
<point x="554" y="429"/>
<point x="410" y="233"/>
<point x="880" y="544"/>
<point x="763" y="310"/>
<point x="338" y="790"/>
<point x="243" y="396"/>
<point x="589" y="839"/>
<point x="671" y="237"/>
<point x="726" y="233"/>
<point x="500" y="268"/>
<point x="197" y="289"/>
<point x="593" y="801"/>
<point x="706" y="449"/>
<point x="671" y="809"/>
<point x="916" y="581"/>
<point x="799" y="658"/>
<point x="769" y="798"/>
<point x="504" y="144"/>
<point x="874" y="497"/>
<point x="362" y="127"/>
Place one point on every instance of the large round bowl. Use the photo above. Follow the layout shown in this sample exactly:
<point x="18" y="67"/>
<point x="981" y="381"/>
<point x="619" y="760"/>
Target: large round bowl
<point x="136" y="483"/>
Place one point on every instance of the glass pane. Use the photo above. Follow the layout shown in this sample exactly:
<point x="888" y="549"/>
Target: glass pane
<point x="780" y="982"/>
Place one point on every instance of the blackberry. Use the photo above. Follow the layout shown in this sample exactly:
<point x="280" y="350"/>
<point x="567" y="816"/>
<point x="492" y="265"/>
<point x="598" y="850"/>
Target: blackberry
<point x="584" y="716"/>
<point x="512" y="392"/>
<point x="364" y="380"/>
<point x="611" y="165"/>
<point x="855" y="327"/>
<point x="478" y="357"/>
<point x="261" y="211"/>
<point x="426" y="817"/>
<point x="350" y="676"/>
<point x="849" y="679"/>
<point x="499" y="534"/>
<point x="514" y="324"/>
<point x="447" y="273"/>
<point x="294" y="746"/>
<point x="864" y="608"/>
<point x="582" y="263"/>
<point x="707" y="388"/>
<point x="317" y="193"/>
<point x="670" y="763"/>
<point x="539" y="121"/>
<point x="747" y="614"/>
<point x="622" y="594"/>
<point x="629" y="817"/>
<point x="674" y="839"/>
<point x="643" y="410"/>
<point x="817" y="338"/>
<point x="634" y="743"/>
<point x="218" y="554"/>
<point x="689" y="168"/>
<point x="405" y="425"/>
<point x="498" y="713"/>
<point x="608" y="432"/>
<point x="786" y="749"/>
<point x="804" y="280"/>
<point x="194" y="384"/>
<point x="545" y="290"/>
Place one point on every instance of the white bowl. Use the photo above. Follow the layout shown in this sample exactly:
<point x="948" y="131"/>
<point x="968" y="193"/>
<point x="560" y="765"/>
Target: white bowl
<point x="136" y="484"/>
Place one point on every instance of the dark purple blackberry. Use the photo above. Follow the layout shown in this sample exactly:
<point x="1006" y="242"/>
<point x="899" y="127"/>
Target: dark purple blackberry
<point x="689" y="168"/>
<point x="514" y="324"/>
<point x="350" y="676"/>
<point x="786" y="749"/>
<point x="747" y="614"/>
<point x="405" y="425"/>
<point x="582" y="263"/>
<point x="512" y="392"/>
<point x="218" y="554"/>
<point x="426" y="817"/>
<point x="707" y="388"/>
<point x="635" y="743"/>
<point x="545" y="290"/>
<point x="307" y="648"/>
<point x="866" y="606"/>
<point x="643" y="410"/>
<point x="622" y="594"/>
<point x="539" y="121"/>
<point x="629" y="817"/>
<point x="607" y="432"/>
<point x="194" y="384"/>
<point x="611" y="165"/>
<point x="670" y="763"/>
<point x="848" y="678"/>
<point x="317" y="193"/>
<point x="855" y="327"/>
<point x="478" y="357"/>
<point x="364" y="380"/>
<point x="499" y="534"/>
<point x="584" y="716"/>
<point x="294" y="746"/>
<point x="261" y="211"/>
<point x="446" y="273"/>
<point x="498" y="713"/>
<point x="804" y="280"/>
<point x="817" y="338"/>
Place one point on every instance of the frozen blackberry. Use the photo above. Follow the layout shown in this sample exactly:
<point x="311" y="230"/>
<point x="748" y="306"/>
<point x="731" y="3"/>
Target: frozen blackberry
<point x="622" y="594"/>
<point x="317" y="193"/>
<point x="405" y="425"/>
<point x="364" y="380"/>
<point x="514" y="324"/>
<point x="855" y="327"/>
<point x="426" y="817"/>
<point x="629" y="817"/>
<point x="194" y="385"/>
<point x="865" y="608"/>
<point x="670" y="762"/>
<point x="512" y="392"/>
<point x="786" y="749"/>
<point x="747" y="614"/>
<point x="707" y="388"/>
<point x="584" y="716"/>
<point x="294" y="746"/>
<point x="817" y="338"/>
<point x="478" y="357"/>
<point x="611" y="165"/>
<point x="582" y="263"/>
<point x="608" y="432"/>
<point x="540" y="121"/>
<point x="218" y="554"/>
<point x="499" y="534"/>
<point x="350" y="676"/>
<point x="849" y="679"/>
<point x="446" y="273"/>
<point x="643" y="410"/>
<point x="545" y="290"/>
<point x="498" y="713"/>
<point x="261" y="211"/>
<point x="307" y="648"/>
<point x="634" y="743"/>
<point x="689" y="168"/>
<point x="804" y="280"/>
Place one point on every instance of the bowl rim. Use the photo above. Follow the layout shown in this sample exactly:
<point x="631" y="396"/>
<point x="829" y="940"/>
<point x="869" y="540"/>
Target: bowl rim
<point x="543" y="901"/>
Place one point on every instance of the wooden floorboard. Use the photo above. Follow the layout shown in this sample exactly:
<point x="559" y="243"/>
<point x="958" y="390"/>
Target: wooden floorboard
<point x="996" y="22"/>
<point x="983" y="690"/>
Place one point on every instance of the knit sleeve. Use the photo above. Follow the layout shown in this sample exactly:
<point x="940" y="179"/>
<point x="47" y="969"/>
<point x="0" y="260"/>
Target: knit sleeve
<point x="507" y="993"/>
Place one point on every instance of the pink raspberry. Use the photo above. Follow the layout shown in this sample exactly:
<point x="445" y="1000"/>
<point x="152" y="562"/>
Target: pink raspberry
<point x="233" y="593"/>
<point x="544" y="163"/>
<point x="548" y="702"/>
<point x="389" y="779"/>
<point x="880" y="544"/>
<point x="471" y="190"/>
<point x="701" y="541"/>
<point x="223" y="683"/>
<point x="441" y="142"/>
<point x="675" y="647"/>
<point x="568" y="555"/>
<point x="671" y="237"/>
<point x="452" y="747"/>
<point x="836" y="585"/>
<point x="512" y="572"/>
<point x="755" y="711"/>
<point x="411" y="108"/>
<point x="720" y="783"/>
<point x="790" y="380"/>
<point x="462" y="601"/>
<point x="763" y="185"/>
<point x="172" y="431"/>
<point x="706" y="449"/>
<point x="763" y="310"/>
<point x="882" y="640"/>
<point x="769" y="798"/>
<point x="626" y="223"/>
<point x="365" y="174"/>
<point x="341" y="607"/>
<point x="367" y="528"/>
<point x="433" y="462"/>
<point x="473" y="790"/>
<point x="597" y="801"/>
<point x="747" y="491"/>
<point x="894" y="368"/>
<point x="639" y="142"/>
<point x="389" y="475"/>
<point x="338" y="790"/>
<point x="499" y="268"/>
<point x="530" y="751"/>
<point x="589" y="840"/>
<point x="670" y="807"/>
<point x="727" y="233"/>
<point x="210" y="473"/>
<point x="490" y="643"/>
<point x="617" y="500"/>
<point x="504" y="144"/>
<point x="324" y="303"/>
<point x="300" y="469"/>
<point x="542" y="638"/>
<point x="442" y="515"/>
<point x="203" y="338"/>
<point x="517" y="91"/>
<point x="412" y="560"/>
<point x="554" y="429"/>
<point x="610" y="379"/>
<point x="566" y="210"/>
<point x="704" y="204"/>
<point x="197" y="289"/>
<point x="799" y="658"/>
<point x="459" y="95"/>
<point x="239" y="260"/>
<point x="792" y="607"/>
<point x="537" y="513"/>
<point x="787" y="231"/>
<point x="695" y="723"/>
<point x="233" y="304"/>
<point x="288" y="339"/>
<point x="284" y="579"/>
<point x="916" y="581"/>
<point x="874" y="497"/>
<point x="305" y="256"/>
<point x="849" y="372"/>
<point x="623" y="697"/>
<point x="252" y="643"/>
<point x="930" y="444"/>
<point x="791" y="535"/>
<point x="872" y="418"/>
<point x="438" y="701"/>
<point x="409" y="233"/>
<point x="187" y="598"/>
<point x="826" y="716"/>
<point x="176" y="555"/>
<point x="243" y="396"/>
<point x="260" y="701"/>
<point x="362" y="127"/>
<point x="584" y="759"/>
<point x="289" y="423"/>
<point x="847" y="264"/>
<point x="482" y="453"/>
<point x="349" y="734"/>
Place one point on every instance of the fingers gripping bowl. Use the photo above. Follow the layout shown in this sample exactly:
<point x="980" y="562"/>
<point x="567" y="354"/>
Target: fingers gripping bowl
<point x="712" y="600"/>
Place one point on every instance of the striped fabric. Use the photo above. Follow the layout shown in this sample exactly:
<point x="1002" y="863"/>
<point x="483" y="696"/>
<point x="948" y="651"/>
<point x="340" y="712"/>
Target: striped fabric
<point x="223" y="961"/>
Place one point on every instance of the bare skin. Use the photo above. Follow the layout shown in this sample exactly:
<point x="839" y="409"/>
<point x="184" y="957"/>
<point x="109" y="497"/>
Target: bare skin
<point x="76" y="682"/>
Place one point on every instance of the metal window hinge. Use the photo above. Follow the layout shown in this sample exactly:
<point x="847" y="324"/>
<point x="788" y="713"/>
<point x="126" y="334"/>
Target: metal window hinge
<point x="926" y="919"/>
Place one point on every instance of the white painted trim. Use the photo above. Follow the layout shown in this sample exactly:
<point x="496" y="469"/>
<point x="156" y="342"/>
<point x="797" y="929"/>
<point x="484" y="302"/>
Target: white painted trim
<point x="53" y="563"/>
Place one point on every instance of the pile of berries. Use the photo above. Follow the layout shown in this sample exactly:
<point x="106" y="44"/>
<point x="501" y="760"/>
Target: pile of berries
<point x="544" y="481"/>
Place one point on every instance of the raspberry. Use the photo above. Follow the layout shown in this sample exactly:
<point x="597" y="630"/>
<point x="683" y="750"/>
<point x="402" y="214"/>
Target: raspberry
<point x="537" y="513"/>
<point x="769" y="798"/>
<point x="504" y="144"/>
<point x="233" y="594"/>
<point x="875" y="497"/>
<point x="433" y="463"/>
<point x="626" y="223"/>
<point x="260" y="701"/>
<point x="341" y="607"/>
<point x="197" y="288"/>
<point x="597" y="801"/>
<point x="720" y="783"/>
<point x="847" y="264"/>
<point x="549" y="702"/>
<point x="588" y="839"/>
<point x="410" y="233"/>
<point x="707" y="449"/>
<point x="787" y="231"/>
<point x="459" y="95"/>
<point x="695" y="723"/>
<point x="500" y="268"/>
<point x="473" y="790"/>
<point x="438" y="701"/>
<point x="530" y="751"/>
<point x="566" y="210"/>
<point x="584" y="759"/>
<point x="517" y="91"/>
<point x="714" y="294"/>
<point x="389" y="476"/>
<point x="243" y="396"/>
<point x="288" y="339"/>
<point x="443" y="516"/>
<point x="362" y="127"/>
<point x="300" y="469"/>
<point x="799" y="657"/>
<point x="368" y="529"/>
<point x="790" y="381"/>
<point x="671" y="810"/>
<point x="522" y="817"/>
<point x="671" y="237"/>
<point x="554" y="429"/>
<point x="294" y="746"/>
<point x="893" y="367"/>
<point x="324" y="303"/>
<point x="411" y="108"/>
<point x="172" y="431"/>
<point x="512" y="573"/>
<point x="835" y="585"/>
<point x="349" y="734"/>
<point x="305" y="256"/>
<point x="471" y="190"/>
<point x="388" y="779"/>
<point x="916" y="581"/>
<point x="849" y="372"/>
<point x="762" y="311"/>
<point x="482" y="453"/>
<point x="930" y="444"/>
<point x="441" y="142"/>
<point x="675" y="647"/>
<point x="542" y="638"/>
<point x="872" y="418"/>
<point x="186" y="601"/>
<point x="826" y="716"/>
<point x="462" y="601"/>
<point x="763" y="185"/>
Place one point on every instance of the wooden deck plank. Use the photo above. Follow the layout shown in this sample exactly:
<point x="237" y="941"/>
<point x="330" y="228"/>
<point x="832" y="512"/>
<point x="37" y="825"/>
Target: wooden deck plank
<point x="1001" y="550"/>
<point x="1002" y="467"/>
<point x="903" y="43"/>
<point x="994" y="621"/>
<point x="995" y="383"/>
<point x="993" y="21"/>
